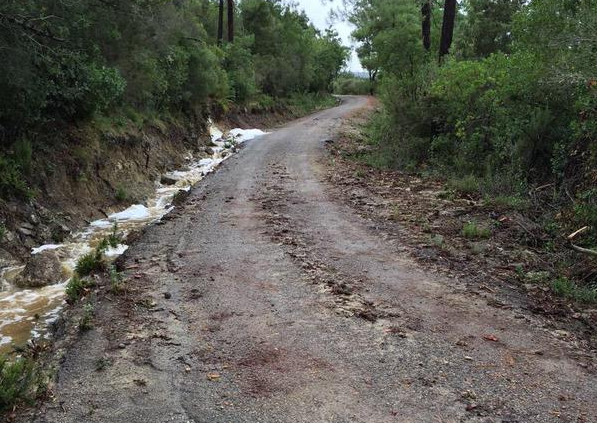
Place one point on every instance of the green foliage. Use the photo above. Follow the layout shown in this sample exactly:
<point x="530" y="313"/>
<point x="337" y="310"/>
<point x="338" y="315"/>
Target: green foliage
<point x="568" y="289"/>
<point x="116" y="280"/>
<point x="514" y="107"/>
<point x="90" y="262"/>
<point x="18" y="381"/>
<point x="12" y="180"/>
<point x="2" y="231"/>
<point x="349" y="84"/>
<point x="469" y="184"/>
<point x="120" y="195"/>
<point x="72" y="62"/>
<point x="86" y="320"/>
<point x="303" y="103"/>
<point x="75" y="288"/>
<point x="472" y="231"/>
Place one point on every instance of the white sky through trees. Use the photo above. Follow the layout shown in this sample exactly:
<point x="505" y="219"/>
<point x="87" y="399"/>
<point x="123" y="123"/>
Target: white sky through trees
<point x="318" y="13"/>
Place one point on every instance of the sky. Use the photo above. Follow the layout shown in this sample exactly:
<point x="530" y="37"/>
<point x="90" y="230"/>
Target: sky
<point x="318" y="13"/>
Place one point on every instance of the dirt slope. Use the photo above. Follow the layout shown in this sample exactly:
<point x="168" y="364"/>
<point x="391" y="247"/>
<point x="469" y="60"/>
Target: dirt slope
<point x="262" y="299"/>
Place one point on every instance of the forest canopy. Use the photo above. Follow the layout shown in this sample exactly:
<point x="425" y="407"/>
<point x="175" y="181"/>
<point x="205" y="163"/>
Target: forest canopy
<point x="68" y="61"/>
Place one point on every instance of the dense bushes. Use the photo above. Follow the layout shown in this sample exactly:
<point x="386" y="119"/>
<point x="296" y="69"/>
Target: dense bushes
<point x="350" y="84"/>
<point x="73" y="61"/>
<point x="513" y="112"/>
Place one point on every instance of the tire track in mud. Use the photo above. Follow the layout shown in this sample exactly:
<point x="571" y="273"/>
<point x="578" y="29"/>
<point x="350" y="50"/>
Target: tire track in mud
<point x="345" y="293"/>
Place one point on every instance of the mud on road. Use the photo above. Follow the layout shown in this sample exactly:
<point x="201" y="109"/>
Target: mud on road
<point x="262" y="298"/>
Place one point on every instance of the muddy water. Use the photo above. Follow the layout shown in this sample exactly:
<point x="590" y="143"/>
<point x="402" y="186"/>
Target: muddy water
<point x="26" y="313"/>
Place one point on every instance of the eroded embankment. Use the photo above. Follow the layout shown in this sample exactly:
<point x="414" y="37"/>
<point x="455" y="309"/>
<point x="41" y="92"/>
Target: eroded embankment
<point x="26" y="311"/>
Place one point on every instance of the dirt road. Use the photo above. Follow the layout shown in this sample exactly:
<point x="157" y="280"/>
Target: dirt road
<point x="262" y="299"/>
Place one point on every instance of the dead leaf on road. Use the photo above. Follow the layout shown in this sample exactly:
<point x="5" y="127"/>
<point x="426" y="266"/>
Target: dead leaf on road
<point x="213" y="376"/>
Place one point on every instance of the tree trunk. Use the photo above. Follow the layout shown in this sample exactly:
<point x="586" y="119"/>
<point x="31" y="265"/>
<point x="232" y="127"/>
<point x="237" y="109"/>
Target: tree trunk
<point x="230" y="21"/>
<point x="221" y="22"/>
<point x="447" y="28"/>
<point x="426" y="24"/>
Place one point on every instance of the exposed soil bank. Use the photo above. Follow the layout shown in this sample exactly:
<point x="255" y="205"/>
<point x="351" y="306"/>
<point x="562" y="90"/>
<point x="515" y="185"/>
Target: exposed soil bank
<point x="81" y="174"/>
<point x="88" y="173"/>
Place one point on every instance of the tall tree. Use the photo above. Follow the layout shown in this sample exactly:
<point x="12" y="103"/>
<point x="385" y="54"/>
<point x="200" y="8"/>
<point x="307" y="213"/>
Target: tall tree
<point x="221" y="22"/>
<point x="447" y="28"/>
<point x="230" y="21"/>
<point x="426" y="24"/>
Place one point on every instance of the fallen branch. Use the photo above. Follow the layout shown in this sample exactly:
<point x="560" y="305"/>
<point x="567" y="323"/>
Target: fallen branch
<point x="583" y="250"/>
<point x="578" y="248"/>
<point x="578" y="232"/>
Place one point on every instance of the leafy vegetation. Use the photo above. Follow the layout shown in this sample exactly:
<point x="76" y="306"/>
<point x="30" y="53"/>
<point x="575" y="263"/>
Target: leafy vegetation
<point x="103" y="61"/>
<point x="90" y="262"/>
<point x="510" y="111"/>
<point x="85" y="322"/>
<point x="75" y="288"/>
<point x="18" y="381"/>
<point x="347" y="83"/>
<point x="506" y="113"/>
<point x="116" y="280"/>
<point x="473" y="231"/>
<point x="568" y="289"/>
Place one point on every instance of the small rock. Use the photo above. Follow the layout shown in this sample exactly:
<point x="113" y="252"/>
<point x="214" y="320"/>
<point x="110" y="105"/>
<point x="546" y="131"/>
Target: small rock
<point x="167" y="295"/>
<point x="167" y="180"/>
<point x="209" y="150"/>
<point x="122" y="346"/>
<point x="25" y="231"/>
<point x="41" y="270"/>
<point x="34" y="219"/>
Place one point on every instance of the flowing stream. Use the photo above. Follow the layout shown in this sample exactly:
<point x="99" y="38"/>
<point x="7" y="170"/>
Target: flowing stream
<point x="26" y="313"/>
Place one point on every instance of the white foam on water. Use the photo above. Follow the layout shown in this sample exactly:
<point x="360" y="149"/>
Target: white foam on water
<point x="116" y="251"/>
<point x="41" y="248"/>
<point x="134" y="212"/>
<point x="242" y="135"/>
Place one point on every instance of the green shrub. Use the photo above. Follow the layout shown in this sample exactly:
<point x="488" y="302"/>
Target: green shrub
<point x="469" y="184"/>
<point x="75" y="288"/>
<point x="86" y="320"/>
<point x="18" y="381"/>
<point x="568" y="289"/>
<point x="508" y="201"/>
<point x="116" y="281"/>
<point x="472" y="231"/>
<point x="349" y="84"/>
<point x="90" y="263"/>
<point x="12" y="181"/>
<point x="120" y="195"/>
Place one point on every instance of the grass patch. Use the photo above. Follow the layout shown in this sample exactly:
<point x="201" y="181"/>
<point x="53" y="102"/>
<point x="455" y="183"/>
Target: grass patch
<point x="304" y="103"/>
<point x="471" y="230"/>
<point x="18" y="381"/>
<point x="466" y="185"/>
<point x="508" y="201"/>
<point x="120" y="195"/>
<point x="564" y="287"/>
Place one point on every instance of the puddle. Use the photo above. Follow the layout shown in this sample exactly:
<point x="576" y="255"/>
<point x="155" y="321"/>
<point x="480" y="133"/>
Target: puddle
<point x="26" y="313"/>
